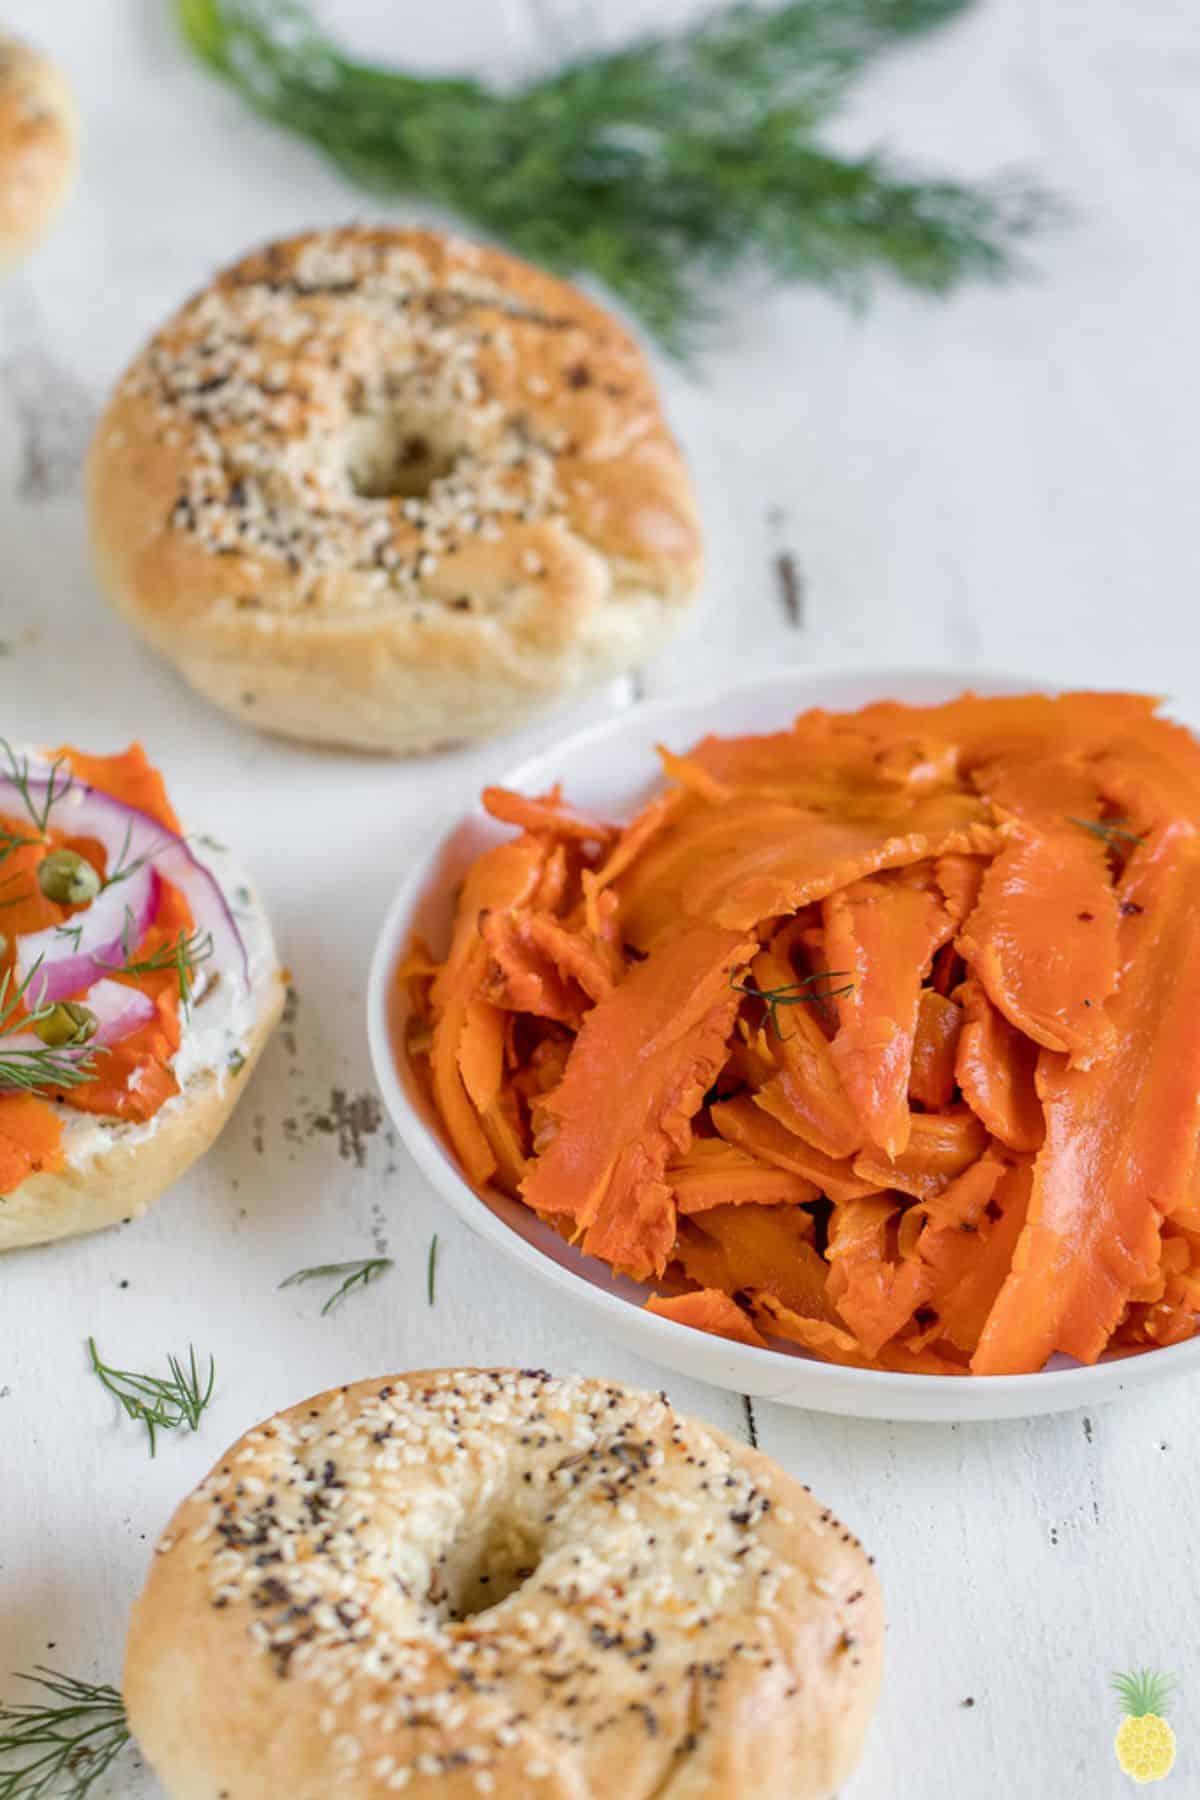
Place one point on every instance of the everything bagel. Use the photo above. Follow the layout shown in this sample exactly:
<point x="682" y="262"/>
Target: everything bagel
<point x="458" y="1583"/>
<point x="391" y="490"/>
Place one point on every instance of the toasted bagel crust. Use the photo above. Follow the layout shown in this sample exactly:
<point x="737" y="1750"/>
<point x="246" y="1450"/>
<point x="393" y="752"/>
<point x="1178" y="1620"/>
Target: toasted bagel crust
<point x="489" y="1582"/>
<point x="391" y="490"/>
<point x="122" y="1179"/>
<point x="38" y="131"/>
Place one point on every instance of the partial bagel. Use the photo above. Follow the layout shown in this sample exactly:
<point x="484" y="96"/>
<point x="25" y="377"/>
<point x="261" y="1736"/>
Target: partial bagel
<point x="38" y="131"/>
<point x="392" y="490"/>
<point x="456" y="1583"/>
<point x="115" y="1169"/>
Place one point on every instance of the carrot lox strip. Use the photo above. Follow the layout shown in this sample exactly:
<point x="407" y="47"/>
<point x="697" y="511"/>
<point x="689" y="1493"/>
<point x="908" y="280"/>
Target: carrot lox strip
<point x="736" y="865"/>
<point x="874" y="1295"/>
<point x="940" y="1147"/>
<point x="556" y="876"/>
<point x="692" y="776"/>
<point x="931" y="1079"/>
<point x="968" y="1268"/>
<point x="818" y="1335"/>
<point x="1014" y="727"/>
<point x="481" y="1051"/>
<point x="825" y="761"/>
<point x="960" y="1207"/>
<point x="644" y="1058"/>
<point x="709" y="1309"/>
<point x="745" y="1248"/>
<point x="548" y="814"/>
<point x="637" y="836"/>
<point x="504" y="876"/>
<point x="129" y="775"/>
<point x="714" y="1173"/>
<point x="600" y="923"/>
<point x="832" y="1344"/>
<point x="995" y="1067"/>
<point x="1043" y="939"/>
<point x="1155" y="1327"/>
<point x="1120" y="1136"/>
<point x="741" y="1121"/>
<point x="881" y="935"/>
<point x="749" y="1064"/>
<point x="815" y="856"/>
<point x="539" y="966"/>
<point x="30" y="1138"/>
<point x="503" y="1130"/>
<point x="1152" y="774"/>
<point x="807" y="1096"/>
<point x="960" y="879"/>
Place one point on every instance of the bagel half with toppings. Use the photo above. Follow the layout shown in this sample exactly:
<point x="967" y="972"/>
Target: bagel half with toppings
<point x="38" y="130"/>
<point x="392" y="490"/>
<point x="483" y="1582"/>
<point x="138" y="985"/>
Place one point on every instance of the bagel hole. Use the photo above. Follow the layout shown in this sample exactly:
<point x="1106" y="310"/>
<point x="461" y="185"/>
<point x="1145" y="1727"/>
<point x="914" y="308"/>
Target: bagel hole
<point x="392" y="457"/>
<point x="483" y="1568"/>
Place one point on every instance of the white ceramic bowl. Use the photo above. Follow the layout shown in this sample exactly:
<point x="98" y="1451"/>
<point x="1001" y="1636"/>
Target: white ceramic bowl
<point x="611" y="768"/>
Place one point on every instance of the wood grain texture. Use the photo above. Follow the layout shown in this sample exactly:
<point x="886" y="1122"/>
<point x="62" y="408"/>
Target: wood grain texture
<point x="1006" y="482"/>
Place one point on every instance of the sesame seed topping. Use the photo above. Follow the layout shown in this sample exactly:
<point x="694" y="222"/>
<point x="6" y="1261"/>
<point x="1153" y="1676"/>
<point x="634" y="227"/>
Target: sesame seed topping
<point x="351" y="405"/>
<point x="428" y="1560"/>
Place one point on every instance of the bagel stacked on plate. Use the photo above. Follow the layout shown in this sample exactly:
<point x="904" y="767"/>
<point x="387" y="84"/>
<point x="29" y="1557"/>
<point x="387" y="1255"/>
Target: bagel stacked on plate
<point x="467" y="1582"/>
<point x="138" y="986"/>
<point x="38" y="131"/>
<point x="392" y="490"/>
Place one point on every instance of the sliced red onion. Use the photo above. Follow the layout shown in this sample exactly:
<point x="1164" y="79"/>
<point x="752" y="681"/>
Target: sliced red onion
<point x="119" y="1011"/>
<point x="69" y="961"/>
<point x="71" y="955"/>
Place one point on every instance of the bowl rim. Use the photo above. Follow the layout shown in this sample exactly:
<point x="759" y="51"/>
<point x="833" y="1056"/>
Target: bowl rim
<point x="1046" y="1389"/>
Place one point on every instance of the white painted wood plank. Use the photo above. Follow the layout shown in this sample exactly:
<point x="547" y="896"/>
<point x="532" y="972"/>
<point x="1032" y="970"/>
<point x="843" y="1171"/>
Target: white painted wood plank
<point x="1007" y="481"/>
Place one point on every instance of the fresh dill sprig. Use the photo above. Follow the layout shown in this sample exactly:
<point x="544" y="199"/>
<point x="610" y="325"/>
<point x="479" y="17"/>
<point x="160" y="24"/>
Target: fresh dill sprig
<point x="658" y="167"/>
<point x="64" y="1743"/>
<point x="123" y="868"/>
<point x="795" y="993"/>
<point x="40" y="1069"/>
<point x="431" y="1273"/>
<point x="1111" y="830"/>
<point x="185" y="952"/>
<point x="159" y="1402"/>
<point x="354" y="1275"/>
<point x="17" y="771"/>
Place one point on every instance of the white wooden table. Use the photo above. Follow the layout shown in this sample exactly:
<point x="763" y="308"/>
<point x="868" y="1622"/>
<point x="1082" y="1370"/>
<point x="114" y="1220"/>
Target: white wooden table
<point x="1005" y="482"/>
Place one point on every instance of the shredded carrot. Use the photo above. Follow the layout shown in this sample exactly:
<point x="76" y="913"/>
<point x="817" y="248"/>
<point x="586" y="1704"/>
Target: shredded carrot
<point x="876" y="1036"/>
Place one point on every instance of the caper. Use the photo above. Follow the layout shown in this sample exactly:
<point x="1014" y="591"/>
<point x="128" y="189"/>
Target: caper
<point x="65" y="1024"/>
<point x="68" y="878"/>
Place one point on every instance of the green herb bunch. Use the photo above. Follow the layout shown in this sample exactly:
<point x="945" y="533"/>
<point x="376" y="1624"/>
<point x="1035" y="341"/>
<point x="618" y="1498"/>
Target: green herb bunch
<point x="62" y="1742"/>
<point x="656" y="168"/>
